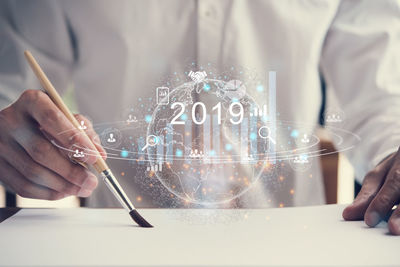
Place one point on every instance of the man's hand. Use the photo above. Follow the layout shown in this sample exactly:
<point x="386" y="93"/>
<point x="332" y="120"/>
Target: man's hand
<point x="379" y="193"/>
<point x="29" y="163"/>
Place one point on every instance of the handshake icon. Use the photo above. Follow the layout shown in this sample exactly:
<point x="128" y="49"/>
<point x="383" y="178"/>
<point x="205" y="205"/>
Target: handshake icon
<point x="197" y="76"/>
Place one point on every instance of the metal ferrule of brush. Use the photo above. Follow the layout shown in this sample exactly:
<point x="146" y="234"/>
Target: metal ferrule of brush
<point x="114" y="186"/>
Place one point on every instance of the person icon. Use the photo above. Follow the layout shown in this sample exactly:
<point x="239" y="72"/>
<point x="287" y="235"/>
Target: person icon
<point x="131" y="119"/>
<point x="111" y="138"/>
<point x="82" y="126"/>
<point x="78" y="154"/>
<point x="305" y="139"/>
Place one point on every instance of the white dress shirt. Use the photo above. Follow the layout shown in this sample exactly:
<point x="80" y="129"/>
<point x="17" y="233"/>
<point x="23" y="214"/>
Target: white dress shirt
<point x="116" y="51"/>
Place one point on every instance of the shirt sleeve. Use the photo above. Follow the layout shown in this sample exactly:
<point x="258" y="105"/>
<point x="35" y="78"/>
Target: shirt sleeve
<point x="40" y="27"/>
<point x="360" y="61"/>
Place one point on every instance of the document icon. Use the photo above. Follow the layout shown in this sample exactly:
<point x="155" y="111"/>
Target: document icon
<point x="162" y="95"/>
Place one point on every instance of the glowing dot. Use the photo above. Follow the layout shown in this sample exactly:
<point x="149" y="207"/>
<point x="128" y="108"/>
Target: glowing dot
<point x="184" y="117"/>
<point x="212" y="153"/>
<point x="206" y="87"/>
<point x="281" y="205"/>
<point x="303" y="156"/>
<point x="253" y="136"/>
<point x="281" y="178"/>
<point x="139" y="198"/>
<point x="228" y="147"/>
<point x="147" y="118"/>
<point x="122" y="174"/>
<point x="294" y="134"/>
<point x="291" y="191"/>
<point x="124" y="153"/>
<point x="260" y="88"/>
<point x="179" y="153"/>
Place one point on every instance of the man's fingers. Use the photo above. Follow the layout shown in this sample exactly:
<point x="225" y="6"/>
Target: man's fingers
<point x="386" y="198"/>
<point x="25" y="188"/>
<point x="371" y="185"/>
<point x="394" y="222"/>
<point x="40" y="107"/>
<point x="47" y="155"/>
<point x="87" y="126"/>
<point x="41" y="175"/>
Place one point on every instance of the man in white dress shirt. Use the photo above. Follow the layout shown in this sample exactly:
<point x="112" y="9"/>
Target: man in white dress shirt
<point x="113" y="52"/>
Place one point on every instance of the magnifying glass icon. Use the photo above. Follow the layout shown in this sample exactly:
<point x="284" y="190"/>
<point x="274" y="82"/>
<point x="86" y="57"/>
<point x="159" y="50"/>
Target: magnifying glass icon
<point x="264" y="133"/>
<point x="151" y="140"/>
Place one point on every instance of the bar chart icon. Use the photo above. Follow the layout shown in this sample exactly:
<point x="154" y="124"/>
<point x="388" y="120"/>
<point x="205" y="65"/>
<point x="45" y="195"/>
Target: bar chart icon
<point x="155" y="168"/>
<point x="258" y="112"/>
<point x="162" y="95"/>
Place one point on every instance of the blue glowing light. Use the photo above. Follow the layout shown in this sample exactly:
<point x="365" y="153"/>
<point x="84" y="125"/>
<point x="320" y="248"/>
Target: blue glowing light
<point x="124" y="153"/>
<point x="260" y="88"/>
<point x="206" y="87"/>
<point x="228" y="147"/>
<point x="148" y="118"/>
<point x="179" y="153"/>
<point x="184" y="117"/>
<point x="303" y="157"/>
<point x="211" y="153"/>
<point x="294" y="134"/>
<point x="253" y="136"/>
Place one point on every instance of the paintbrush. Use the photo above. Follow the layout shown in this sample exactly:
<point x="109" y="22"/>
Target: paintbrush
<point x="100" y="165"/>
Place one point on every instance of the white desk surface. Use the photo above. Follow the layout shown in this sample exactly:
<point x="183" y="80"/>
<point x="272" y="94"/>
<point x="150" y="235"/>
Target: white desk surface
<point x="287" y="236"/>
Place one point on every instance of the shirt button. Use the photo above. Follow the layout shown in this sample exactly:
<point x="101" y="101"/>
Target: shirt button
<point x="210" y="12"/>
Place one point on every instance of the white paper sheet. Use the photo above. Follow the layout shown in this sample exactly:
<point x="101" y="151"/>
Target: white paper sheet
<point x="290" y="236"/>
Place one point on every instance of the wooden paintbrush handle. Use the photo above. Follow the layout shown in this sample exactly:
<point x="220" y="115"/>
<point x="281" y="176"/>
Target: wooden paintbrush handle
<point x="100" y="165"/>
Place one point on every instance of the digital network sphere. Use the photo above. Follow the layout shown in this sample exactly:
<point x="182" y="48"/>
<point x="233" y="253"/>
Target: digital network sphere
<point x="203" y="141"/>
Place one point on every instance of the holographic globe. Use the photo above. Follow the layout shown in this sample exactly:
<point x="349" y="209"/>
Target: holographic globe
<point x="207" y="148"/>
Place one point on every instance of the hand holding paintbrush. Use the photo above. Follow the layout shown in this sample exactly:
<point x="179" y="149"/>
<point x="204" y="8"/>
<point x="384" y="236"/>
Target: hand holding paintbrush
<point x="93" y="158"/>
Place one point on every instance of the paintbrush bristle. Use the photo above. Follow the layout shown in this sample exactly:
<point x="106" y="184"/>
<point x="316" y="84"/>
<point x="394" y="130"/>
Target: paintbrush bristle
<point x="139" y="219"/>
